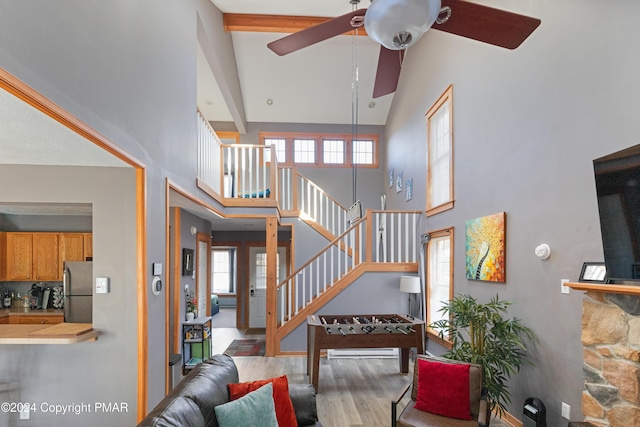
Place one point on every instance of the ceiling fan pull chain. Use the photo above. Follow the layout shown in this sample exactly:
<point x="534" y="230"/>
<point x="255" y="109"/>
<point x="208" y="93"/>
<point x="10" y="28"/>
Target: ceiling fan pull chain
<point x="447" y="11"/>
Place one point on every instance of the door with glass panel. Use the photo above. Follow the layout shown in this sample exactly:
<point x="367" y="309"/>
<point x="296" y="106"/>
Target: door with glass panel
<point x="258" y="282"/>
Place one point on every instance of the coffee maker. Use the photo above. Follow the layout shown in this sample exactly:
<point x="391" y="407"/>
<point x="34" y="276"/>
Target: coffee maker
<point x="35" y="296"/>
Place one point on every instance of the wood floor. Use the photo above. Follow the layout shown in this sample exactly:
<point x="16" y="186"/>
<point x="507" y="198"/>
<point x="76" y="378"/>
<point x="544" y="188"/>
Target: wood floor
<point x="351" y="392"/>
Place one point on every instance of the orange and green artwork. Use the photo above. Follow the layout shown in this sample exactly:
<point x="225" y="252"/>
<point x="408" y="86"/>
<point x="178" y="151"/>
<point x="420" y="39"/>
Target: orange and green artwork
<point x="485" y="248"/>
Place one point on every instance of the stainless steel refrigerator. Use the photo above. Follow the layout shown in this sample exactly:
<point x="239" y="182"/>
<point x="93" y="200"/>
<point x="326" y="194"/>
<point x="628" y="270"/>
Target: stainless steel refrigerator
<point x="77" y="282"/>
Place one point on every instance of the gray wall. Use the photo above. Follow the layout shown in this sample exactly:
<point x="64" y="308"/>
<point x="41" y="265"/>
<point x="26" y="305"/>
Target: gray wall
<point x="127" y="69"/>
<point x="527" y="125"/>
<point x="100" y="371"/>
<point x="59" y="223"/>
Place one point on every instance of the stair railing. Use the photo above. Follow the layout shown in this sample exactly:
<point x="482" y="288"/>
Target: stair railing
<point x="379" y="237"/>
<point x="301" y="195"/>
<point x="247" y="174"/>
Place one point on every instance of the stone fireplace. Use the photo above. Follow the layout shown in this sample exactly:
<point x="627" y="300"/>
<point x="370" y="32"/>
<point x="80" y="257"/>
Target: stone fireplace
<point x="611" y="340"/>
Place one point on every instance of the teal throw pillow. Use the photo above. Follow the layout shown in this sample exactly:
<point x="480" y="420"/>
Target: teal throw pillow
<point x="252" y="409"/>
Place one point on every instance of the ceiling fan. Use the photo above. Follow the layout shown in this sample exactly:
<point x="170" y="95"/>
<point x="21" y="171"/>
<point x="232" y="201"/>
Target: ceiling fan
<point x="398" y="24"/>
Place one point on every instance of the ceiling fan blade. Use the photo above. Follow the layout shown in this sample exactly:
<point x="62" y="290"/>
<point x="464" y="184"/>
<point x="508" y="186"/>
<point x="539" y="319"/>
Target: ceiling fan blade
<point x="312" y="35"/>
<point x="486" y="24"/>
<point x="388" y="73"/>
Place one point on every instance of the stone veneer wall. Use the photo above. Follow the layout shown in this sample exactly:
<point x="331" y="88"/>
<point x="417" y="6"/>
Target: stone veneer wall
<point x="611" y="340"/>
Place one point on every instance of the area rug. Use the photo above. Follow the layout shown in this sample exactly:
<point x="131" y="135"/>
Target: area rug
<point x="246" y="348"/>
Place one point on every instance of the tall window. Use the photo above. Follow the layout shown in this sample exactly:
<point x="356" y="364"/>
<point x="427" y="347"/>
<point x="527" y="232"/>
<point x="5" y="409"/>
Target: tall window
<point x="278" y="145"/>
<point x="440" y="154"/>
<point x="363" y="152"/>
<point x="333" y="151"/>
<point x="439" y="276"/>
<point x="304" y="150"/>
<point x="223" y="270"/>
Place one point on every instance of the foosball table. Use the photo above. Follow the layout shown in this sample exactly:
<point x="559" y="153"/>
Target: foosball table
<point x="362" y="331"/>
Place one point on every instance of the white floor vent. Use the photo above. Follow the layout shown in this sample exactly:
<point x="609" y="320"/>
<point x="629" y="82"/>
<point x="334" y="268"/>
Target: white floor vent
<point x="362" y="353"/>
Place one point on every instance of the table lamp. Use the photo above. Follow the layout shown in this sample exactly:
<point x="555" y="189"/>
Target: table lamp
<point x="410" y="285"/>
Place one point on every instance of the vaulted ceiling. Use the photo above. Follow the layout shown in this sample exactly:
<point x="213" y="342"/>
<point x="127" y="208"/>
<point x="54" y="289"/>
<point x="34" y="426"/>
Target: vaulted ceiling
<point x="313" y="85"/>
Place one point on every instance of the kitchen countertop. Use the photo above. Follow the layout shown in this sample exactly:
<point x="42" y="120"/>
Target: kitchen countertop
<point x="57" y="333"/>
<point x="60" y="333"/>
<point x="20" y="311"/>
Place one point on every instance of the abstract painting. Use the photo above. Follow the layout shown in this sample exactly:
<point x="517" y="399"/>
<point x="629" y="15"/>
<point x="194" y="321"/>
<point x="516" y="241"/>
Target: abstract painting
<point x="485" y="248"/>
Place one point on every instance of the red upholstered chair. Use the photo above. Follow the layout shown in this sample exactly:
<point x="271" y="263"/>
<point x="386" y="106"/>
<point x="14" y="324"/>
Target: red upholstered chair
<point x="413" y="417"/>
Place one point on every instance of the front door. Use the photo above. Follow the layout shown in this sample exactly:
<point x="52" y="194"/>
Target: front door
<point x="258" y="283"/>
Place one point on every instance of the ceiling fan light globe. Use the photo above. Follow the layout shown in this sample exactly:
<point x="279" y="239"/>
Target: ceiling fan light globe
<point x="404" y="21"/>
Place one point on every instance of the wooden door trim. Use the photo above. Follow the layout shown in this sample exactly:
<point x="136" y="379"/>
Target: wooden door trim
<point x="33" y="98"/>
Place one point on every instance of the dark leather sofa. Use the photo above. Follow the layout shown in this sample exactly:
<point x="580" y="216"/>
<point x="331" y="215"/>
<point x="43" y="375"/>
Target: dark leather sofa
<point x="191" y="402"/>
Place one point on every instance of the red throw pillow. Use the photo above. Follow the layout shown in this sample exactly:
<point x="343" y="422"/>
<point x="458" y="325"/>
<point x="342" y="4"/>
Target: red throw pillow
<point x="285" y="413"/>
<point x="443" y="389"/>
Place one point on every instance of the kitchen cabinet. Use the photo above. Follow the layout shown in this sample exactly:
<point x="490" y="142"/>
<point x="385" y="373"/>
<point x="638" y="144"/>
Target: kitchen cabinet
<point x="40" y="256"/>
<point x="36" y="319"/>
<point x="19" y="256"/>
<point x="46" y="257"/>
<point x="32" y="256"/>
<point x="88" y="246"/>
<point x="71" y="247"/>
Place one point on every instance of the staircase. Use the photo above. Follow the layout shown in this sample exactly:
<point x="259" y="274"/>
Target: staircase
<point x="381" y="241"/>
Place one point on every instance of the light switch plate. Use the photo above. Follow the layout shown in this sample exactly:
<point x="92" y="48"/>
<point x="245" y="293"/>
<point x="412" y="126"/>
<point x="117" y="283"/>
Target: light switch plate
<point x="157" y="269"/>
<point x="563" y="287"/>
<point x="102" y="285"/>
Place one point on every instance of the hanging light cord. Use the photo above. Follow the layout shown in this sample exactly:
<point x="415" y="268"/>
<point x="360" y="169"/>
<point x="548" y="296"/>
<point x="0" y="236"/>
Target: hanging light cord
<point x="354" y="105"/>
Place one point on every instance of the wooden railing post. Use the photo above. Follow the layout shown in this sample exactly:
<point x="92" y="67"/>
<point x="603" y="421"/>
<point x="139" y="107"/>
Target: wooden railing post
<point x="272" y="285"/>
<point x="369" y="236"/>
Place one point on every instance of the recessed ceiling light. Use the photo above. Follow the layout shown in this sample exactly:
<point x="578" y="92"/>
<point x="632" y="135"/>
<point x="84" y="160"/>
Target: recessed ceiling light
<point x="372" y="104"/>
<point x="269" y="101"/>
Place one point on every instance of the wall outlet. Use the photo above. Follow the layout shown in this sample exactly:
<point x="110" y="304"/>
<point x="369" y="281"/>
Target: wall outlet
<point x="566" y="411"/>
<point x="563" y="288"/>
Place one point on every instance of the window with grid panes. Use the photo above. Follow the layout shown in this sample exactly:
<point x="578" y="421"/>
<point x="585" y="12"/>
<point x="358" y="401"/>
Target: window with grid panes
<point x="279" y="145"/>
<point x="362" y="152"/>
<point x="439" y="154"/>
<point x="439" y="275"/>
<point x="333" y="151"/>
<point x="223" y="267"/>
<point x="304" y="150"/>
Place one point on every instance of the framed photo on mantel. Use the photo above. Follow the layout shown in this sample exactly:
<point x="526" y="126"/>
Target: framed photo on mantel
<point x="594" y="272"/>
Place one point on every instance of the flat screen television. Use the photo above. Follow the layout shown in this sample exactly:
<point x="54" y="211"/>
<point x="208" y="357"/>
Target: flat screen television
<point x="618" y="190"/>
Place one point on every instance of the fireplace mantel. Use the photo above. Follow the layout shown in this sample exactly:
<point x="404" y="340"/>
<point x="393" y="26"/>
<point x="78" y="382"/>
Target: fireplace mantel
<point x="605" y="287"/>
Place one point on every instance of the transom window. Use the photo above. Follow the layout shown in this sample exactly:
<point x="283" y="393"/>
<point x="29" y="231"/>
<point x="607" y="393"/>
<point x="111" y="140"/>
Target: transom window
<point x="363" y="152"/>
<point x="304" y="151"/>
<point x="277" y="144"/>
<point x="313" y="150"/>
<point x="333" y="151"/>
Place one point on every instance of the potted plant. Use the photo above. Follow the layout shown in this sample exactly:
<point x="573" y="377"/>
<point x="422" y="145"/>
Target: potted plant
<point x="482" y="334"/>
<point x="191" y="308"/>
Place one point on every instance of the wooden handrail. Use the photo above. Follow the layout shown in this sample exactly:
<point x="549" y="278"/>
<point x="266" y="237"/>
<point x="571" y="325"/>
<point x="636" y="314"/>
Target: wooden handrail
<point x="304" y="178"/>
<point x="334" y="242"/>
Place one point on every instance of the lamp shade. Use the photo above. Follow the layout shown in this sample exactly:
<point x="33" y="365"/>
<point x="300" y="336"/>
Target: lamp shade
<point x="398" y="24"/>
<point x="410" y="284"/>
